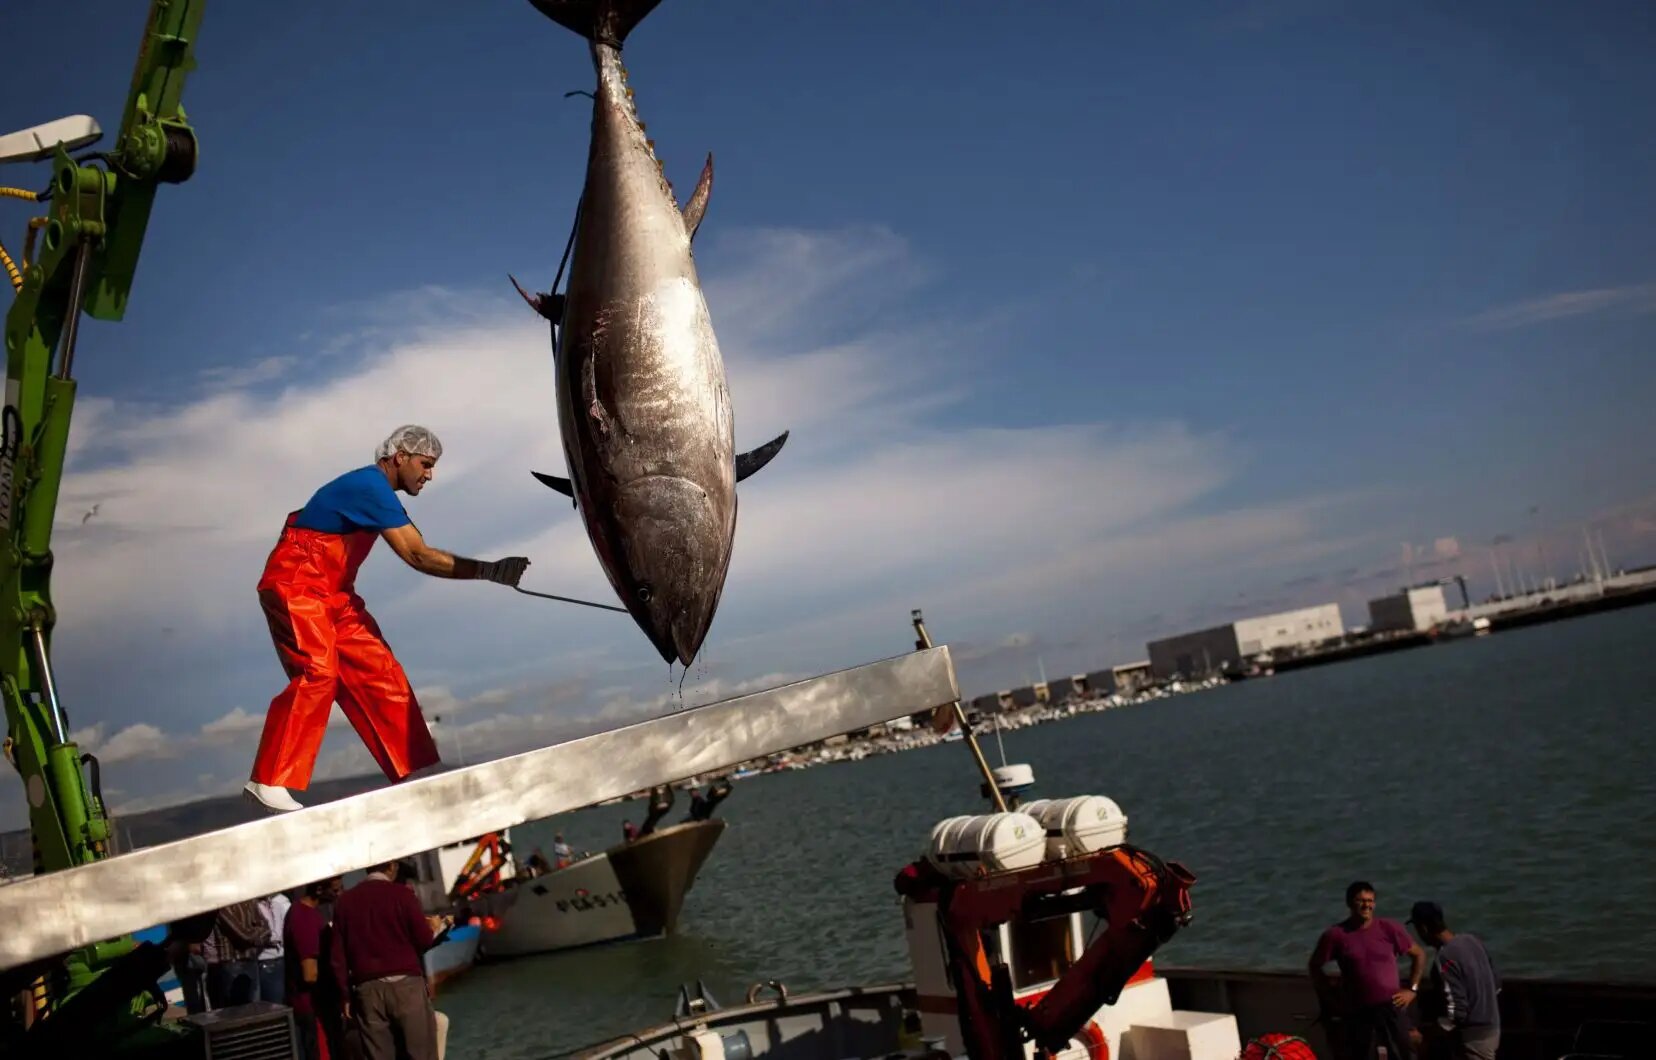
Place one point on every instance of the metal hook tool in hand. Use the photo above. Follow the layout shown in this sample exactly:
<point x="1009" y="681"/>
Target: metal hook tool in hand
<point x="570" y="600"/>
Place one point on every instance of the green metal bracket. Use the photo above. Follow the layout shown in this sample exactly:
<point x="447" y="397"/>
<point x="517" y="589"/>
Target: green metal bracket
<point x="89" y="256"/>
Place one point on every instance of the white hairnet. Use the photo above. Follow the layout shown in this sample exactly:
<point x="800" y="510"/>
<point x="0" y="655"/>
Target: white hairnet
<point x="411" y="439"/>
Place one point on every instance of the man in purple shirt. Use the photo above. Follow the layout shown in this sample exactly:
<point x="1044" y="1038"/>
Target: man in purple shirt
<point x="1374" y="999"/>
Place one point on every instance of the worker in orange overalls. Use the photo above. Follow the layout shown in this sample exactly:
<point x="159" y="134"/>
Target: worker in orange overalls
<point x="328" y="643"/>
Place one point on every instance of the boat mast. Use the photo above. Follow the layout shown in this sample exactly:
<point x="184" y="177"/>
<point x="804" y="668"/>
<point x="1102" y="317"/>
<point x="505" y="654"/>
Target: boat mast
<point x="954" y="714"/>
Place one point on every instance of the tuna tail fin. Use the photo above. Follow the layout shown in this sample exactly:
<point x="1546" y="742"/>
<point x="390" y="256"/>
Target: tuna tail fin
<point x="749" y="462"/>
<point x="604" y="21"/>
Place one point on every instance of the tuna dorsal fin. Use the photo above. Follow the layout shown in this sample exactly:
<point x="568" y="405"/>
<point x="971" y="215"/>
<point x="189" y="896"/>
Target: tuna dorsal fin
<point x="751" y="461"/>
<point x="606" y="21"/>
<point x="697" y="206"/>
<point x="547" y="305"/>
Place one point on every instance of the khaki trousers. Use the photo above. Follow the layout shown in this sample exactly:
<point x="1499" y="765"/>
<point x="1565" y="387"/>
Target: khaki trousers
<point x="394" y="1020"/>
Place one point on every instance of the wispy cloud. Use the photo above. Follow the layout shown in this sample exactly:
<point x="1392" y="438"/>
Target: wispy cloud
<point x="1635" y="299"/>
<point x="235" y="377"/>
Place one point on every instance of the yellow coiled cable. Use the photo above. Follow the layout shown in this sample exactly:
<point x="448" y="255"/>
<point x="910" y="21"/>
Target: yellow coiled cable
<point x="11" y="269"/>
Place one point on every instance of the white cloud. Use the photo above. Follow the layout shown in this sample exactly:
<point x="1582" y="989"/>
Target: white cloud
<point x="885" y="498"/>
<point x="138" y="741"/>
<point x="236" y="723"/>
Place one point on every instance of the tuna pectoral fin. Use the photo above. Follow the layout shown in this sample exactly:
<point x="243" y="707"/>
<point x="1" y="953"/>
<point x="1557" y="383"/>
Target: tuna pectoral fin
<point x="608" y="21"/>
<point x="749" y="462"/>
<point x="562" y="485"/>
<point x="697" y="205"/>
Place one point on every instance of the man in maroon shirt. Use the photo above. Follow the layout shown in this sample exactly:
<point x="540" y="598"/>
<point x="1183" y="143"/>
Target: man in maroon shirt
<point x="302" y="937"/>
<point x="1366" y="948"/>
<point x="379" y="936"/>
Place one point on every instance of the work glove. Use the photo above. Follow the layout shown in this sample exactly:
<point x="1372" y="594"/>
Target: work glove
<point x="504" y="571"/>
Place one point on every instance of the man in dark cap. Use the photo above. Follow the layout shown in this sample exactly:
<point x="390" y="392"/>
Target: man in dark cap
<point x="1461" y="999"/>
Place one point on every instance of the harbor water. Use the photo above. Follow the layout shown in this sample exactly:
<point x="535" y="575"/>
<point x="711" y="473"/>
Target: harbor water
<point x="1508" y="777"/>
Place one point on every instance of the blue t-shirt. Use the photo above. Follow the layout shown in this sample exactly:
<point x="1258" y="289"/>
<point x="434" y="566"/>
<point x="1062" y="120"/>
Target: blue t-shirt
<point x="357" y="500"/>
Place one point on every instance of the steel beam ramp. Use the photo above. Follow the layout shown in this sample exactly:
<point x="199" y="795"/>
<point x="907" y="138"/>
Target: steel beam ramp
<point x="61" y="911"/>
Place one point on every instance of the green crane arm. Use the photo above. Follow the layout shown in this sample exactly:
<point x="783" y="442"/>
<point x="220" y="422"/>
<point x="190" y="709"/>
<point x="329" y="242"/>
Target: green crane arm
<point x="91" y="237"/>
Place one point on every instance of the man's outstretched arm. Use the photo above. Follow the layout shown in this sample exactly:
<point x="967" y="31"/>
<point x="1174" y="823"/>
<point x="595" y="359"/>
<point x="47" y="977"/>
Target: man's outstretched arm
<point x="407" y="543"/>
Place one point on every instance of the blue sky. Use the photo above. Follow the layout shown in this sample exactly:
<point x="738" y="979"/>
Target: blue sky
<point x="1090" y="326"/>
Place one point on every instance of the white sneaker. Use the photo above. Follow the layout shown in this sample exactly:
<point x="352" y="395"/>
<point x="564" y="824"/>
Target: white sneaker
<point x="272" y="798"/>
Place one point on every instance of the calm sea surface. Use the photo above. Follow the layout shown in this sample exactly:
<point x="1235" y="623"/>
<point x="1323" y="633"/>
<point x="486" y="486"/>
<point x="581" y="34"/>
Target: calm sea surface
<point x="1511" y="778"/>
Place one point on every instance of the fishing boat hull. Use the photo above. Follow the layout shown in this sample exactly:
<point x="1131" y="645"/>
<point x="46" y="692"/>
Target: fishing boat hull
<point x="634" y="890"/>
<point x="1542" y="1019"/>
<point x="827" y="1025"/>
<point x="453" y="955"/>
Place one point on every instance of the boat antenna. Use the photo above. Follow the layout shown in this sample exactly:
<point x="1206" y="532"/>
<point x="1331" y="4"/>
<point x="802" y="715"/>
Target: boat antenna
<point x="956" y="715"/>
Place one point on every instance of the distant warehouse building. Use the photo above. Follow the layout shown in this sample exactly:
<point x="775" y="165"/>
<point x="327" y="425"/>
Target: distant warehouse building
<point x="1128" y="678"/>
<point x="1410" y="609"/>
<point x="1063" y="689"/>
<point x="1210" y="651"/>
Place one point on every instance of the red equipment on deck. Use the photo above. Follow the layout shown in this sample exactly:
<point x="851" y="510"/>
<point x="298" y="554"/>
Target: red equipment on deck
<point x="481" y="874"/>
<point x="1141" y="898"/>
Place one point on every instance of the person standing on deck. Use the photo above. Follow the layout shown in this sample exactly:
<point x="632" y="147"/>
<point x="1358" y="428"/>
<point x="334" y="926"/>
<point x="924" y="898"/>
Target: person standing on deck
<point x="239" y="932"/>
<point x="328" y="643"/>
<point x="1366" y="948"/>
<point x="380" y="936"/>
<point x="304" y="933"/>
<point x="1463" y="998"/>
<point x="272" y="977"/>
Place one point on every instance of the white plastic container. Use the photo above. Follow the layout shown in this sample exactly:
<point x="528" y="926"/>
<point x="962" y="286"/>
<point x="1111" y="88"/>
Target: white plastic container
<point x="963" y="847"/>
<point x="1082" y="825"/>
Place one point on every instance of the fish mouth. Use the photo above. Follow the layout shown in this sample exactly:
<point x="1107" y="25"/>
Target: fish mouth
<point x="676" y="552"/>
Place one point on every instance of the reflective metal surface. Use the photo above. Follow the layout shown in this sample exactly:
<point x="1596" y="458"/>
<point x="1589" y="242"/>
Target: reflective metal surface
<point x="51" y="914"/>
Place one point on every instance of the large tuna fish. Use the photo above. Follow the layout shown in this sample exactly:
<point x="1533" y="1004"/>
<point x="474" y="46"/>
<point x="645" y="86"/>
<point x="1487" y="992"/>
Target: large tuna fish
<point x="642" y="403"/>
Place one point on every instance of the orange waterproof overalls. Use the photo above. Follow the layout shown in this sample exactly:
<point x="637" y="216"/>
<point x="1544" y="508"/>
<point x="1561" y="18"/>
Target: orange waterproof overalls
<point x="332" y="649"/>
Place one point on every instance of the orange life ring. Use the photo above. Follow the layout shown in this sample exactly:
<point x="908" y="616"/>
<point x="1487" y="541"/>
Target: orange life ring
<point x="1092" y="1036"/>
<point x="1098" y="1046"/>
<point x="1278" y="1047"/>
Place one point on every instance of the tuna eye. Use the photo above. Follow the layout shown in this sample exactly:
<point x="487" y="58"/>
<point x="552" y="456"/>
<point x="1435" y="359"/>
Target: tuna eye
<point x="644" y="593"/>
